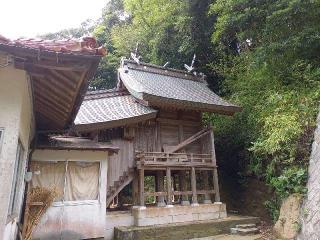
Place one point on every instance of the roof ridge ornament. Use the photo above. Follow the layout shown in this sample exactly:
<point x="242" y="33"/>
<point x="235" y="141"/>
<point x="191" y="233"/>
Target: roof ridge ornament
<point x="135" y="57"/>
<point x="166" y="65"/>
<point x="191" y="67"/>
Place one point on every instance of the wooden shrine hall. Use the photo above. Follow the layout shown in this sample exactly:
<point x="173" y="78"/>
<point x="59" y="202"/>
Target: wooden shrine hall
<point x="154" y="116"/>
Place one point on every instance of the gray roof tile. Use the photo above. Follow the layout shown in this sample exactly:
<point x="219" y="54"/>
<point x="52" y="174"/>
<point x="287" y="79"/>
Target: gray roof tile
<point x="104" y="109"/>
<point x="159" y="86"/>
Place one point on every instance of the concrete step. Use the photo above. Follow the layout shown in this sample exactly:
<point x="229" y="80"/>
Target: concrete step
<point x="244" y="231"/>
<point x="181" y="231"/>
<point x="250" y="225"/>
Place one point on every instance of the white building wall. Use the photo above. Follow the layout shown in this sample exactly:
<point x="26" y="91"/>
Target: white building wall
<point x="16" y="120"/>
<point x="76" y="219"/>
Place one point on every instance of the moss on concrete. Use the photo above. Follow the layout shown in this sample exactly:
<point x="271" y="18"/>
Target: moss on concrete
<point x="182" y="231"/>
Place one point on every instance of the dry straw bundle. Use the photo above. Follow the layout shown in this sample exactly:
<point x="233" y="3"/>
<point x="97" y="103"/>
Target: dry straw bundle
<point x="39" y="199"/>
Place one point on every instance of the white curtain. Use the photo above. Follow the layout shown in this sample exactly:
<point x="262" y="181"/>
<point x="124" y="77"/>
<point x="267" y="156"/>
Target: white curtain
<point x="48" y="175"/>
<point x="82" y="181"/>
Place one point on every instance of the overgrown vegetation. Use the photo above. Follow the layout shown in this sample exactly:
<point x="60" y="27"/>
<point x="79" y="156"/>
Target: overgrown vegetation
<point x="262" y="55"/>
<point x="276" y="80"/>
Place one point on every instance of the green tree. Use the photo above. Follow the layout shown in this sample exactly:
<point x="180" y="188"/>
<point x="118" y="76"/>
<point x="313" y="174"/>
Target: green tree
<point x="113" y="15"/>
<point x="276" y="80"/>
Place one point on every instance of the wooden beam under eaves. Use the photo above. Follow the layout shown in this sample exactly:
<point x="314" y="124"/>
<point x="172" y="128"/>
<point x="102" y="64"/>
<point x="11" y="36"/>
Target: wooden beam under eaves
<point x="28" y="65"/>
<point x="50" y="97"/>
<point x="68" y="81"/>
<point x="47" y="121"/>
<point x="44" y="85"/>
<point x="51" y="114"/>
<point x="44" y="105"/>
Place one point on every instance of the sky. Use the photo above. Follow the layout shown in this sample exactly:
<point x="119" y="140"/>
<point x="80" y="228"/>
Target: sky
<point x="29" y="18"/>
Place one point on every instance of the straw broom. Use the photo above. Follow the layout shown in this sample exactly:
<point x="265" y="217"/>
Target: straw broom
<point x="39" y="199"/>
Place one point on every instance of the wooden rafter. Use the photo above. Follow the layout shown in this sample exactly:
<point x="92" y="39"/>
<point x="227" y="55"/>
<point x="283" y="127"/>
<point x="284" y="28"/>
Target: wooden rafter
<point x="48" y="120"/>
<point x="50" y="116"/>
<point x="67" y="80"/>
<point x="46" y="86"/>
<point x="54" y="113"/>
<point x="52" y="98"/>
<point x="50" y="106"/>
<point x="60" y="85"/>
<point x="62" y="66"/>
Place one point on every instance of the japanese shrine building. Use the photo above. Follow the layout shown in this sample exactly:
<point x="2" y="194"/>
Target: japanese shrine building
<point x="154" y="117"/>
<point x="141" y="147"/>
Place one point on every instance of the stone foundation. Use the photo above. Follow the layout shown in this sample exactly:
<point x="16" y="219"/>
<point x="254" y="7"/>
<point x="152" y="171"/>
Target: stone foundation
<point x="148" y="216"/>
<point x="178" y="214"/>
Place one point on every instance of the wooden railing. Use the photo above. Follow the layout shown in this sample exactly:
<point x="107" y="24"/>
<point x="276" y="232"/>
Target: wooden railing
<point x="173" y="159"/>
<point x="178" y="193"/>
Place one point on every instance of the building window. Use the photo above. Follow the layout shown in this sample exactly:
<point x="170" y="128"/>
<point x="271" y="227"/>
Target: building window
<point x="74" y="180"/>
<point x="17" y="182"/>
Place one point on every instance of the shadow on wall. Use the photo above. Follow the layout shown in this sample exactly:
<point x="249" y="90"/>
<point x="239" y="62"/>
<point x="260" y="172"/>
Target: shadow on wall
<point x="245" y="196"/>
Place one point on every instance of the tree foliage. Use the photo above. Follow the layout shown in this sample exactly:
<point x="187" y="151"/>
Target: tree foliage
<point x="276" y="80"/>
<point x="263" y="55"/>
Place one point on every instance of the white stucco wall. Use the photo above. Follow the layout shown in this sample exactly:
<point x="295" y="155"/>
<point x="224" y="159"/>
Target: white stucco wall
<point x="76" y="219"/>
<point x="17" y="121"/>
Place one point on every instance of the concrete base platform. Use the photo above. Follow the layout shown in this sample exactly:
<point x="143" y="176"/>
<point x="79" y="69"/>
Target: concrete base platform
<point x="195" y="229"/>
<point x="230" y="237"/>
<point x="177" y="214"/>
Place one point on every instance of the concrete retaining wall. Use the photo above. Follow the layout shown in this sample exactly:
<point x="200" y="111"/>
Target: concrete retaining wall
<point x="177" y="214"/>
<point x="117" y="219"/>
<point x="142" y="216"/>
<point x="310" y="212"/>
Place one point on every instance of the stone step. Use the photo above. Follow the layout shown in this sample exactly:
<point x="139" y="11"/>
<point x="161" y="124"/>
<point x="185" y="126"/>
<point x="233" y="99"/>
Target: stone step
<point x="244" y="231"/>
<point x="250" y="225"/>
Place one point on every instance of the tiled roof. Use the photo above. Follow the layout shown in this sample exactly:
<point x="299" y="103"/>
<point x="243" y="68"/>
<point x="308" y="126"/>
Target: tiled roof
<point x="59" y="70"/>
<point x="111" y="108"/>
<point x="85" y="45"/>
<point x="165" y="87"/>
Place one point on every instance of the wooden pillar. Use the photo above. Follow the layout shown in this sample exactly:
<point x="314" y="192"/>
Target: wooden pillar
<point x="215" y="171"/>
<point x="216" y="185"/>
<point x="205" y="177"/>
<point x="135" y="189"/>
<point x="141" y="186"/>
<point x="160" y="188"/>
<point x="183" y="187"/>
<point x="169" y="200"/>
<point x="213" y="151"/>
<point x="194" y="186"/>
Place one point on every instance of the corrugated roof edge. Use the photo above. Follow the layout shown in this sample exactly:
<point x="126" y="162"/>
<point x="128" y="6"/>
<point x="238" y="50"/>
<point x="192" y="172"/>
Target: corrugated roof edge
<point x="115" y="123"/>
<point x="154" y="100"/>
